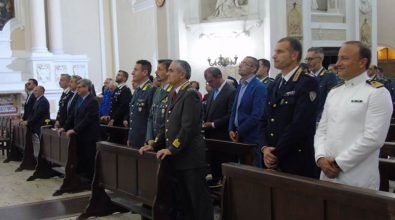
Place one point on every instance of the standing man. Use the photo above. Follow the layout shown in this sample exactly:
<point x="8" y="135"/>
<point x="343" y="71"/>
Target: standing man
<point x="216" y="117"/>
<point x="354" y="123"/>
<point x="64" y="83"/>
<point x="40" y="113"/>
<point x="74" y="97"/>
<point x="263" y="72"/>
<point x="290" y="118"/>
<point x="30" y="99"/>
<point x="327" y="80"/>
<point x="248" y="107"/>
<point x="160" y="99"/>
<point x="140" y="104"/>
<point x="120" y="100"/>
<point x="182" y="144"/>
<point x="84" y="123"/>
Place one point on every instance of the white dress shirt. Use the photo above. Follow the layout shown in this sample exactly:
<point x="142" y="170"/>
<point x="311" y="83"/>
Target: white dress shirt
<point x="352" y="130"/>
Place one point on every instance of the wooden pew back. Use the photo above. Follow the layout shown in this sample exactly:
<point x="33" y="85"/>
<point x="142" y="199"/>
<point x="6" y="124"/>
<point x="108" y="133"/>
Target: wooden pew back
<point x="139" y="183"/>
<point x="391" y="133"/>
<point x="244" y="152"/>
<point x="55" y="148"/>
<point x="253" y="193"/>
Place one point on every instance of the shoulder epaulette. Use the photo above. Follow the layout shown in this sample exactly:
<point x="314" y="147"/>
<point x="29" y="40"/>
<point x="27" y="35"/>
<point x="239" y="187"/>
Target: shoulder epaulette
<point x="297" y="74"/>
<point x="339" y="84"/>
<point x="185" y="86"/>
<point x="323" y="72"/>
<point x="374" y="83"/>
<point x="169" y="88"/>
<point x="147" y="86"/>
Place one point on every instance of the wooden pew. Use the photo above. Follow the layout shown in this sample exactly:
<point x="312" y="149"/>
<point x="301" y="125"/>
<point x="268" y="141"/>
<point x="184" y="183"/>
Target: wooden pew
<point x="387" y="165"/>
<point x="114" y="134"/>
<point x="24" y="144"/>
<point x="58" y="155"/>
<point x="253" y="193"/>
<point x="391" y="133"/>
<point x="244" y="153"/>
<point x="138" y="183"/>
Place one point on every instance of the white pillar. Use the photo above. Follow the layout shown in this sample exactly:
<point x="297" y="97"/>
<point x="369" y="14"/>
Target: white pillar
<point x="38" y="30"/>
<point x="55" y="26"/>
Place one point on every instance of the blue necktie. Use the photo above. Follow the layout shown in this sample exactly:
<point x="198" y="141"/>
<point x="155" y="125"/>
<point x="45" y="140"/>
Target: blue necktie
<point x="216" y="92"/>
<point x="79" y="102"/>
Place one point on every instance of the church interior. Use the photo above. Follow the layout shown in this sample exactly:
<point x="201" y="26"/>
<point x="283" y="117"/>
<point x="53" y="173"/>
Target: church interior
<point x="95" y="39"/>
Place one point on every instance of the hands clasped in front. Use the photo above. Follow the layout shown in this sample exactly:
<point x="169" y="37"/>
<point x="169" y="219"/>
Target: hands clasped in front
<point x="328" y="166"/>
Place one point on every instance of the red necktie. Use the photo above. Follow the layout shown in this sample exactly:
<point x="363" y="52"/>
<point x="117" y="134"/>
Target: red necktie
<point x="173" y="96"/>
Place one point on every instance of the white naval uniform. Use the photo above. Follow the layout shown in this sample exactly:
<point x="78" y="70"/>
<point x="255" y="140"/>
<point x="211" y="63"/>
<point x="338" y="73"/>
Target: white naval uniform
<point x="352" y="130"/>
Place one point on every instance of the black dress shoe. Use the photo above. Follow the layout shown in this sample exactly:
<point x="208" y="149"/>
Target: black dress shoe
<point x="31" y="178"/>
<point x="19" y="169"/>
<point x="214" y="183"/>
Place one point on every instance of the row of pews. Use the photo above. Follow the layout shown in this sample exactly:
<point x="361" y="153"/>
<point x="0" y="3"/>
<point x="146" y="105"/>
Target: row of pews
<point x="125" y="181"/>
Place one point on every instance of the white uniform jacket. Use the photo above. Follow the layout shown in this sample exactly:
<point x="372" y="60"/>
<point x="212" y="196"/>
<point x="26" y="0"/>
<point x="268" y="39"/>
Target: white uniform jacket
<point x="352" y="130"/>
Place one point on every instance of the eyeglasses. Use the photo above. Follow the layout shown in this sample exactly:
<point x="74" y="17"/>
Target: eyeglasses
<point x="245" y="63"/>
<point x="309" y="59"/>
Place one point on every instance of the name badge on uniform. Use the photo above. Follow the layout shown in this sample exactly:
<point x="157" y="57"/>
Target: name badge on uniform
<point x="356" y="101"/>
<point x="290" y="93"/>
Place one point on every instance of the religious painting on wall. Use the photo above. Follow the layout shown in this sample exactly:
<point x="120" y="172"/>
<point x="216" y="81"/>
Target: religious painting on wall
<point x="365" y="22"/>
<point x="6" y="12"/>
<point x="294" y="19"/>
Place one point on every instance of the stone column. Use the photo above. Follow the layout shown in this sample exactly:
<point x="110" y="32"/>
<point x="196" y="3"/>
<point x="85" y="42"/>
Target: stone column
<point x="38" y="29"/>
<point x="55" y="26"/>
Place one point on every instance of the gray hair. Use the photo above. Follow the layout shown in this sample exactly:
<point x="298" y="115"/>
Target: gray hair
<point x="85" y="82"/>
<point x="65" y="75"/>
<point x="183" y="66"/>
<point x="41" y="88"/>
<point x="76" y="77"/>
<point x="318" y="50"/>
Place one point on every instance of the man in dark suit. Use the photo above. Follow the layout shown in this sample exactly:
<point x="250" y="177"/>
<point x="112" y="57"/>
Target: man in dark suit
<point x="291" y="111"/>
<point x="326" y="79"/>
<point x="216" y="118"/>
<point x="30" y="99"/>
<point x="182" y="144"/>
<point x="156" y="118"/>
<point x="248" y="107"/>
<point x="74" y="96"/>
<point x="38" y="116"/>
<point x="84" y="123"/>
<point x="263" y="72"/>
<point x="64" y="83"/>
<point x="140" y="104"/>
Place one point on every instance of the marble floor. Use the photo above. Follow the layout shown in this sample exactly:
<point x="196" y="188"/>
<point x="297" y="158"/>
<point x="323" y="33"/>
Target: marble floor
<point x="16" y="192"/>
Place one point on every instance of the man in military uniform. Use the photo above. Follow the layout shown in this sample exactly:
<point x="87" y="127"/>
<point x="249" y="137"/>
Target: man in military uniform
<point x="180" y="141"/>
<point x="375" y="74"/>
<point x="120" y="100"/>
<point x="263" y="72"/>
<point x="354" y="123"/>
<point x="291" y="111"/>
<point x="140" y="104"/>
<point x="326" y="79"/>
<point x="64" y="83"/>
<point x="157" y="113"/>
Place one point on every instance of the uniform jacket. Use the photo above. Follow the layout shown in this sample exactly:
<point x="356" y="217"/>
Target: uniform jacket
<point x="39" y="114"/>
<point x="140" y="106"/>
<point x="156" y="118"/>
<point x="289" y="123"/>
<point x="62" y="111"/>
<point x="120" y="105"/>
<point x="267" y="80"/>
<point x="251" y="108"/>
<point x="218" y="111"/>
<point x="352" y="130"/>
<point x="181" y="133"/>
<point x="327" y="80"/>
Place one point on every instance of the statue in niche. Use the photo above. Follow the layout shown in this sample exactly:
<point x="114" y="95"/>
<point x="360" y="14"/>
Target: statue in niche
<point x="366" y="33"/>
<point x="230" y="8"/>
<point x="6" y="12"/>
<point x="294" y="22"/>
